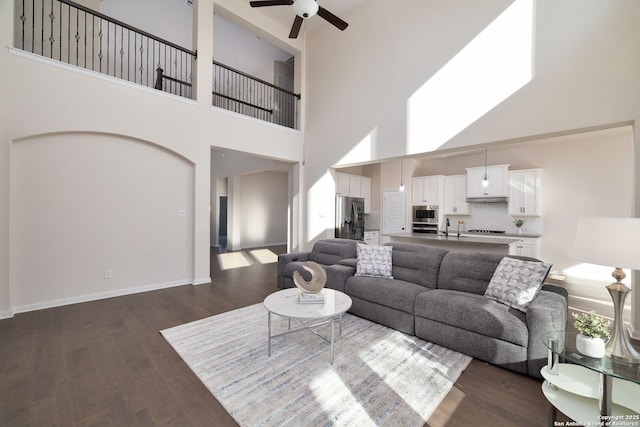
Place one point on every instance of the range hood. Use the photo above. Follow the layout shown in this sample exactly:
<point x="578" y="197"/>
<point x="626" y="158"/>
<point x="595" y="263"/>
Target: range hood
<point x="487" y="200"/>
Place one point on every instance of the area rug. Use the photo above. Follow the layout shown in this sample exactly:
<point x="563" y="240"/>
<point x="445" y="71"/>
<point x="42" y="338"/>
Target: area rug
<point x="379" y="376"/>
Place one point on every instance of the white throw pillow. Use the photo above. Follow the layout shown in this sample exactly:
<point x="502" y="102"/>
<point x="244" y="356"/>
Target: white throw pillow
<point x="374" y="261"/>
<point x="516" y="282"/>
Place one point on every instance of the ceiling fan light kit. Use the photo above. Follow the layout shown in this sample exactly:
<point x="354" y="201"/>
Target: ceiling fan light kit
<point x="304" y="9"/>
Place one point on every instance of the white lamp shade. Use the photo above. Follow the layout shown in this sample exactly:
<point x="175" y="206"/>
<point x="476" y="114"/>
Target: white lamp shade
<point x="614" y="242"/>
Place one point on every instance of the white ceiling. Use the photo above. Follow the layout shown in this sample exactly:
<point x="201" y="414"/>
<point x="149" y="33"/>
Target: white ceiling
<point x="285" y="14"/>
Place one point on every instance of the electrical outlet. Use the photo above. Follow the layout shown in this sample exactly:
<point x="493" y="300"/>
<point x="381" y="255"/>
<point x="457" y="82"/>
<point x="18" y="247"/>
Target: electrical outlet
<point x="182" y="213"/>
<point x="108" y="274"/>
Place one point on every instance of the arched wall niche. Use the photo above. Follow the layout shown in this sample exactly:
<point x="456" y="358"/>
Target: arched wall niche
<point x="99" y="214"/>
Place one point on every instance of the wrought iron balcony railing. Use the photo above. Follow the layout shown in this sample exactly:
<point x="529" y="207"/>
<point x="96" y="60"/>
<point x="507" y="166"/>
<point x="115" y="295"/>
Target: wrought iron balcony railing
<point x="237" y="91"/>
<point x="74" y="34"/>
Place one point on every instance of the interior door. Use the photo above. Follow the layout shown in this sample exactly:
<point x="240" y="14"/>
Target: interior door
<point x="394" y="213"/>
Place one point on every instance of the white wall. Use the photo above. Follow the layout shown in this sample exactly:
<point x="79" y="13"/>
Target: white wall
<point x="226" y="163"/>
<point x="263" y="209"/>
<point x="582" y="73"/>
<point x="238" y="48"/>
<point x="83" y="203"/>
<point x="440" y="75"/>
<point x="6" y="31"/>
<point x="364" y="87"/>
<point x="171" y="20"/>
<point x="585" y="174"/>
<point x="167" y="19"/>
<point x="42" y="97"/>
<point x="577" y="180"/>
<point x="242" y="170"/>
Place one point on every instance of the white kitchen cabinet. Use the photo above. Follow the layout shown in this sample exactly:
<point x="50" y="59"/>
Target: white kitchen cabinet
<point x="355" y="189"/>
<point x="427" y="190"/>
<point x="455" y="195"/>
<point x="372" y="237"/>
<point x="342" y="184"/>
<point x="417" y="191"/>
<point x="526" y="247"/>
<point x="498" y="177"/>
<point x="525" y="187"/>
<point x="354" y="186"/>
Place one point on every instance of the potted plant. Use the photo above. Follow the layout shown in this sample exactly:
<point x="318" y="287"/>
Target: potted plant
<point x="592" y="329"/>
<point x="519" y="223"/>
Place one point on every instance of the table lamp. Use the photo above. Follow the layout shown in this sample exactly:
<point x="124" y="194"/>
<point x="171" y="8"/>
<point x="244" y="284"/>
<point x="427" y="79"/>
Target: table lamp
<point x="613" y="242"/>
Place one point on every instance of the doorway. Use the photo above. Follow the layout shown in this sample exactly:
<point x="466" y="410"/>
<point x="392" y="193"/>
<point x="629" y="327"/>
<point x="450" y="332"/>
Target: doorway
<point x="222" y="224"/>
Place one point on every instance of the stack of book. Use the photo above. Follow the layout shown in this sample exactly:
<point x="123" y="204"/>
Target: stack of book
<point x="304" y="298"/>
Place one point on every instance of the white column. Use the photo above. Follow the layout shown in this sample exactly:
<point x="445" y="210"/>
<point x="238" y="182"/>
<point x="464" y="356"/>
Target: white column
<point x="234" y="189"/>
<point x="202" y="80"/>
<point x="295" y="211"/>
<point x="6" y="37"/>
<point x="202" y="221"/>
<point x="203" y="44"/>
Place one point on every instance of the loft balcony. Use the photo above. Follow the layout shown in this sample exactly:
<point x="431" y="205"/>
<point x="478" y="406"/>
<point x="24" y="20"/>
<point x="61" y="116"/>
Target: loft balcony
<point x="74" y="34"/>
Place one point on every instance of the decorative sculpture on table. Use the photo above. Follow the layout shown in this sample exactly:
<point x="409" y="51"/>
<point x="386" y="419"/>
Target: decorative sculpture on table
<point x="318" y="278"/>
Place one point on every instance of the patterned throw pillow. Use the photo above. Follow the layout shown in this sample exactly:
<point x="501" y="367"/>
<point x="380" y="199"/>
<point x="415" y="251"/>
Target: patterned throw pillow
<point x="516" y="283"/>
<point x="374" y="261"/>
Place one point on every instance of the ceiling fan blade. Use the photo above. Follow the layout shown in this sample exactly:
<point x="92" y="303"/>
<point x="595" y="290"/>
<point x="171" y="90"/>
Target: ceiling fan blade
<point x="331" y="18"/>
<point x="295" y="29"/>
<point x="264" y="3"/>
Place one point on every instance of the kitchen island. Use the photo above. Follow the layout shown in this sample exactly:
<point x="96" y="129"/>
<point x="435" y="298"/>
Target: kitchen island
<point x="464" y="243"/>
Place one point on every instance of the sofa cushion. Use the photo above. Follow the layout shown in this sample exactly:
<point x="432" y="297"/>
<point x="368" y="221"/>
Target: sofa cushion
<point x="418" y="264"/>
<point x="475" y="313"/>
<point x="392" y="293"/>
<point x="374" y="261"/>
<point x="467" y="272"/>
<point x="331" y="251"/>
<point x="516" y="282"/>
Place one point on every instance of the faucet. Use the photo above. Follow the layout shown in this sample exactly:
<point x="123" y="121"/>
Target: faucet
<point x="446" y="233"/>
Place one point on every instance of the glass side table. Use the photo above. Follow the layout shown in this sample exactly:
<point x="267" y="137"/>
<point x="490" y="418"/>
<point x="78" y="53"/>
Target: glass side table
<point x="590" y="391"/>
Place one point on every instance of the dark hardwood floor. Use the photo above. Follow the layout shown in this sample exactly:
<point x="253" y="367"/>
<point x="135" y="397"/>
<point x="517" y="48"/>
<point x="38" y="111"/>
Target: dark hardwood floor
<point x="103" y="363"/>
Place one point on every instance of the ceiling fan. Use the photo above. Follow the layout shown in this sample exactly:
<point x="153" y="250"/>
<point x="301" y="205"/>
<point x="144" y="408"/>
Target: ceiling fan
<point x="304" y="9"/>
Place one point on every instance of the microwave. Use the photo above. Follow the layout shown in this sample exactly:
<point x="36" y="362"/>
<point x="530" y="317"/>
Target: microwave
<point x="428" y="214"/>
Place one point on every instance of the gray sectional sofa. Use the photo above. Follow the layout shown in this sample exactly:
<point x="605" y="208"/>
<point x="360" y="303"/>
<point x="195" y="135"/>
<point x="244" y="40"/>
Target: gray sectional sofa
<point x="439" y="296"/>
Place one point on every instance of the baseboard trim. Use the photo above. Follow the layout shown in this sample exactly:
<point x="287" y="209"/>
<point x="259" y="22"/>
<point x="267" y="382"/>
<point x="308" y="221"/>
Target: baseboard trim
<point x="264" y="245"/>
<point x="6" y="314"/>
<point x="261" y="245"/>
<point x="203" y="281"/>
<point x="98" y="296"/>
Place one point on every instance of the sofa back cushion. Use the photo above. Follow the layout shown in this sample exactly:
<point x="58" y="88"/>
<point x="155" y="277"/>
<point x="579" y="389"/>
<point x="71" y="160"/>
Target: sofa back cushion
<point x="418" y="264"/>
<point x="331" y="251"/>
<point x="470" y="272"/>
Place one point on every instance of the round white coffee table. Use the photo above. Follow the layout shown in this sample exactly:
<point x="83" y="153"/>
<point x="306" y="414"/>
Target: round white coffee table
<point x="285" y="303"/>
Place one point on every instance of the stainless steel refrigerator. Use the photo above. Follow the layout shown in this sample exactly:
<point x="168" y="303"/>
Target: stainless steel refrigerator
<point x="350" y="217"/>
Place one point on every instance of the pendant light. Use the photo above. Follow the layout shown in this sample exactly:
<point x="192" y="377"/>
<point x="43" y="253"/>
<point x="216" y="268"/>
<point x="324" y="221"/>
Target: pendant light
<point x="485" y="178"/>
<point x="401" y="184"/>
